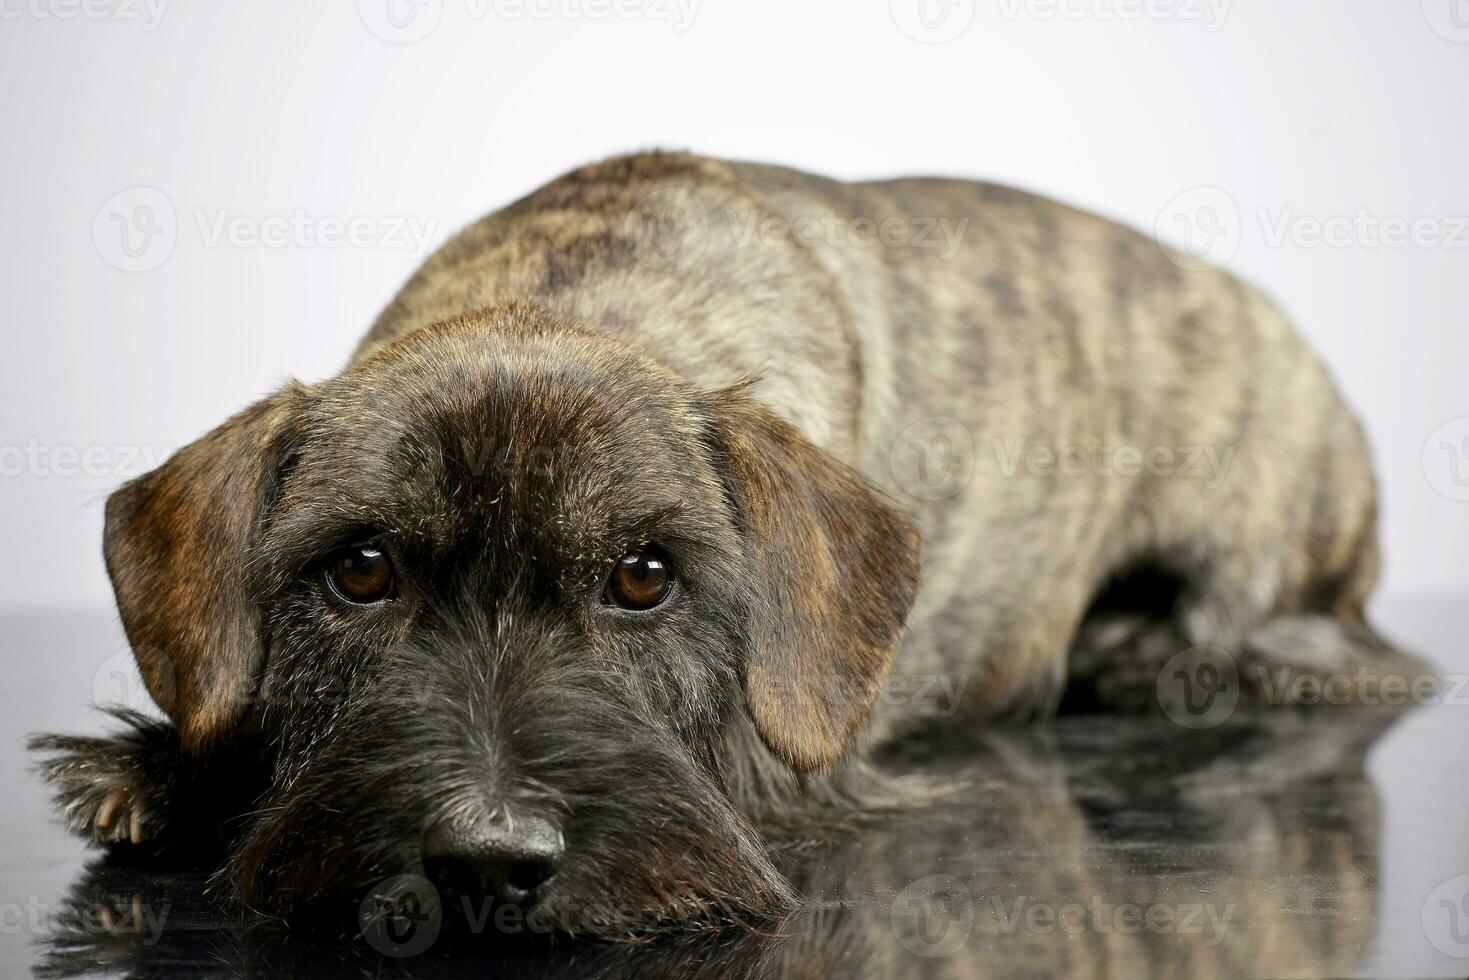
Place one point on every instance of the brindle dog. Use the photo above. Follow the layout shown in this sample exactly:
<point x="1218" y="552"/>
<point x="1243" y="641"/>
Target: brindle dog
<point x="599" y="556"/>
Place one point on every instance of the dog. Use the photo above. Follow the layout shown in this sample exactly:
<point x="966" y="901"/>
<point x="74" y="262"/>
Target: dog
<point x="643" y="512"/>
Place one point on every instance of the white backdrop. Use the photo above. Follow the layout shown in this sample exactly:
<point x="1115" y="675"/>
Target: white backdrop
<point x="198" y="200"/>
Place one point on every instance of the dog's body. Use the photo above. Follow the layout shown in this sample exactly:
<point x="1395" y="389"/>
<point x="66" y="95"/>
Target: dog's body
<point x="786" y="383"/>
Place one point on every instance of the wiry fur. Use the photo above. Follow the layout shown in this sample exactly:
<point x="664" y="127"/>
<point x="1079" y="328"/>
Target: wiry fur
<point x="425" y="737"/>
<point x="137" y="786"/>
<point x="575" y="376"/>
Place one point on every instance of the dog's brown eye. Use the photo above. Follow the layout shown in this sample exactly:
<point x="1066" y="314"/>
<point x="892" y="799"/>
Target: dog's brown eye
<point x="360" y="574"/>
<point x="640" y="580"/>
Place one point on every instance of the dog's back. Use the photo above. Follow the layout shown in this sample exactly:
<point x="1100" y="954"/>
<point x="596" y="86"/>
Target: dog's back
<point x="1058" y="401"/>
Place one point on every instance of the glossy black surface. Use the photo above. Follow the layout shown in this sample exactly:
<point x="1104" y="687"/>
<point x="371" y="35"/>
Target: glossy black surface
<point x="1326" y="843"/>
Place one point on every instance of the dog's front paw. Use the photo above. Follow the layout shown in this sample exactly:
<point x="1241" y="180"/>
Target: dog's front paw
<point x="110" y="789"/>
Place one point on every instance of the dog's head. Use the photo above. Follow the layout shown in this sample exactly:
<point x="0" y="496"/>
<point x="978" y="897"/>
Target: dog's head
<point x="503" y="598"/>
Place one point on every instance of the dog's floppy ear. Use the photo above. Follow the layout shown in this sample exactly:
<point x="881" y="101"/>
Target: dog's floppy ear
<point x="177" y="544"/>
<point x="831" y="572"/>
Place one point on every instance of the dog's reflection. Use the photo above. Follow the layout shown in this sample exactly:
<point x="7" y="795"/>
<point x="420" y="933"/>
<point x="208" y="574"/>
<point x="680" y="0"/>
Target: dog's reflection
<point x="1099" y="847"/>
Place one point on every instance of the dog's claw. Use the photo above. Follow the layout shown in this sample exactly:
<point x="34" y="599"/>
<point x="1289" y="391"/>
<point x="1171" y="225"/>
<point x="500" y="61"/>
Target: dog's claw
<point x="114" y="801"/>
<point x="119" y="817"/>
<point x="113" y="789"/>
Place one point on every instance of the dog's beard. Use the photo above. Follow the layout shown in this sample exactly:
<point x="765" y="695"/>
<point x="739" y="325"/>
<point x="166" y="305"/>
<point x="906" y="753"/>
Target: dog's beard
<point x="653" y="842"/>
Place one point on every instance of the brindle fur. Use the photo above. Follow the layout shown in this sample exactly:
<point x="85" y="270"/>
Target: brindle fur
<point x="579" y="374"/>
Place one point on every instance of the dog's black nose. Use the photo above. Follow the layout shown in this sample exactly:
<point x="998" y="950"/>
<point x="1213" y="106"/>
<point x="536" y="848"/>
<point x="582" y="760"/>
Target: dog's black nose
<point x="508" y="858"/>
